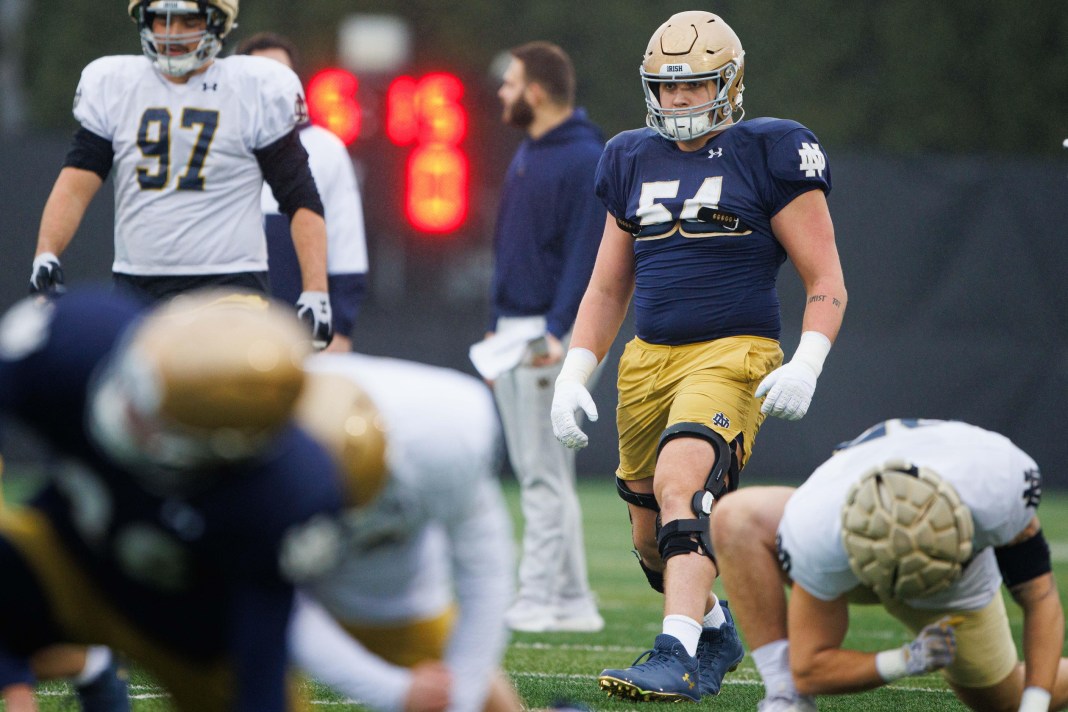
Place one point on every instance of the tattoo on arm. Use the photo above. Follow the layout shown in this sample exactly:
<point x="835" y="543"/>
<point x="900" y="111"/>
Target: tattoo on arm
<point x="823" y="297"/>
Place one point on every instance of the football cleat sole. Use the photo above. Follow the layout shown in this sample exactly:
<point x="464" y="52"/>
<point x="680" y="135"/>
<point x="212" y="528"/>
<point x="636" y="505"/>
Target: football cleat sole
<point x="621" y="689"/>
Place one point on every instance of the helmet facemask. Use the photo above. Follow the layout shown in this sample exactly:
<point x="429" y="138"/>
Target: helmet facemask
<point x="693" y="122"/>
<point x="208" y="41"/>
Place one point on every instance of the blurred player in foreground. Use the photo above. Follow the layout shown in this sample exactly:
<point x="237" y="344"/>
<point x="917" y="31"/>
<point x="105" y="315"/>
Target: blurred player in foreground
<point x="188" y="139"/>
<point x="703" y="209"/>
<point x="427" y="560"/>
<point x="183" y="503"/>
<point x="926" y="517"/>
<point x="335" y="179"/>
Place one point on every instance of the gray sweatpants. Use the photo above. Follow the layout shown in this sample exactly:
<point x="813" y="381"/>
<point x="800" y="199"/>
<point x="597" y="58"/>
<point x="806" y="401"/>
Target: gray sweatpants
<point x="552" y="565"/>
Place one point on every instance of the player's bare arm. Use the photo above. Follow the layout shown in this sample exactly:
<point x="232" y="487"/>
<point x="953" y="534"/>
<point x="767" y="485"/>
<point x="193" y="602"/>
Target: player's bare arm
<point x="604" y="305"/>
<point x="805" y="230"/>
<point x="817" y="660"/>
<point x="309" y="241"/>
<point x="1043" y="635"/>
<point x="71" y="194"/>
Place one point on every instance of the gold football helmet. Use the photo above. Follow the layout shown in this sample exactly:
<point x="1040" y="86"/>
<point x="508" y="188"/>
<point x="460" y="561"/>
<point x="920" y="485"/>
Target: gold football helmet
<point x="693" y="46"/>
<point x="206" y="379"/>
<point x="221" y="18"/>
<point x="337" y="413"/>
<point x="906" y="531"/>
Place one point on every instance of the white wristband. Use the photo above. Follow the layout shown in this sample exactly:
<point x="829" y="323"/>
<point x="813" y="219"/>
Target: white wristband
<point x="578" y="365"/>
<point x="812" y="350"/>
<point x="890" y="664"/>
<point x="1035" y="699"/>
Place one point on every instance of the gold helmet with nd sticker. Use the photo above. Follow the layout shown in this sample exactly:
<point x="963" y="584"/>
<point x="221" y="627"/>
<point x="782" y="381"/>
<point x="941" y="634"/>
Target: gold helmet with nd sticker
<point x="692" y="47"/>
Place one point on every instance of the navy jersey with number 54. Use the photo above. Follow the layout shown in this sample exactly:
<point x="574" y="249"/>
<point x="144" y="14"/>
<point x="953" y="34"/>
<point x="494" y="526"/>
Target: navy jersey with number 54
<point x="706" y="258"/>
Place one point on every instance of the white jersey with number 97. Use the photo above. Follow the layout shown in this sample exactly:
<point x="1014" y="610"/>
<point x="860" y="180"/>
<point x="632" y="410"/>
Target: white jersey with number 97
<point x="187" y="184"/>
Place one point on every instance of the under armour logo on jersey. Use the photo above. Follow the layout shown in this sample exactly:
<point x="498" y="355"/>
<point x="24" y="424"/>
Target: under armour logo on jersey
<point x="715" y="152"/>
<point x="214" y="86"/>
<point x="1033" y="492"/>
<point x="300" y="109"/>
<point x="812" y="160"/>
<point x="721" y="420"/>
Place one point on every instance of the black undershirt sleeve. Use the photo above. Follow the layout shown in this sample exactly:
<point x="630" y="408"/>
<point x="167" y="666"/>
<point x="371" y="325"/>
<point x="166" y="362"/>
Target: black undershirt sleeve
<point x="90" y="153"/>
<point x="1020" y="563"/>
<point x="284" y="165"/>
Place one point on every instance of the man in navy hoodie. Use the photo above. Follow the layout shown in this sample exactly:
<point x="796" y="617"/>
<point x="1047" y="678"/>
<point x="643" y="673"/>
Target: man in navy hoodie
<point x="548" y="230"/>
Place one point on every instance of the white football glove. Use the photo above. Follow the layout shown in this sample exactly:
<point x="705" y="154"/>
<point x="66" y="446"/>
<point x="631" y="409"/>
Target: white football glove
<point x="47" y="275"/>
<point x="570" y="395"/>
<point x="313" y="308"/>
<point x="933" y="649"/>
<point x="789" y="388"/>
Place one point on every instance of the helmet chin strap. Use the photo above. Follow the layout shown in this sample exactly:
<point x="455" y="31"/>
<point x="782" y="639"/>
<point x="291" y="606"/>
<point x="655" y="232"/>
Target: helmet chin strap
<point x="685" y="128"/>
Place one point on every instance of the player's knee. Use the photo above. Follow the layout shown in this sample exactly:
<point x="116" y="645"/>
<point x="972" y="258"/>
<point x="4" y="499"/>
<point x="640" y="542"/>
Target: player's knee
<point x="733" y="519"/>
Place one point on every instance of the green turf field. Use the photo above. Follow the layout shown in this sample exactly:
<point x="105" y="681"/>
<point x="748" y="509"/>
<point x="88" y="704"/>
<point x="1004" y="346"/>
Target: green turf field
<point x="548" y="667"/>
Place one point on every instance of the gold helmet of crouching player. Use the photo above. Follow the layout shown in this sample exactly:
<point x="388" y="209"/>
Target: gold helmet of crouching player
<point x="205" y="380"/>
<point x="906" y="531"/>
<point x="693" y="46"/>
<point x="221" y="16"/>
<point x="337" y="413"/>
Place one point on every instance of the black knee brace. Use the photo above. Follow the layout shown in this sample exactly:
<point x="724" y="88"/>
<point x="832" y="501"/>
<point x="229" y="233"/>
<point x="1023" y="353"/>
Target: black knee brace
<point x="686" y="536"/>
<point x="725" y="472"/>
<point x="656" y="578"/>
<point x="638" y="499"/>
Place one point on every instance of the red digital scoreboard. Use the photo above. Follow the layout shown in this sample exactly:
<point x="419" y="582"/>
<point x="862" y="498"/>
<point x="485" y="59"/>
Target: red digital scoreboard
<point x="427" y="118"/>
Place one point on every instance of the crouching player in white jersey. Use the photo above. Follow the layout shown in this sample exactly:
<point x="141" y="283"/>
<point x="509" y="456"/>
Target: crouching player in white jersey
<point x="926" y="517"/>
<point x="427" y="561"/>
<point x="191" y="139"/>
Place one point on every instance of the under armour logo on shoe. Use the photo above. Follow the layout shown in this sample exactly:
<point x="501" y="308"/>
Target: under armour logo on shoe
<point x="214" y="86"/>
<point x="688" y="680"/>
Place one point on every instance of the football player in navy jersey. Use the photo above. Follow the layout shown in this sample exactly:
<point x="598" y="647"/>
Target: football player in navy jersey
<point x="703" y="208"/>
<point x="183" y="504"/>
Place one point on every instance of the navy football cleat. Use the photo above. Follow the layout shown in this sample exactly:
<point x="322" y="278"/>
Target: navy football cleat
<point x="668" y="674"/>
<point x="719" y="650"/>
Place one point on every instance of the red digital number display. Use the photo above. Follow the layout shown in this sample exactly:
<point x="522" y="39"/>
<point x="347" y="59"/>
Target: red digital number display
<point x="425" y="113"/>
